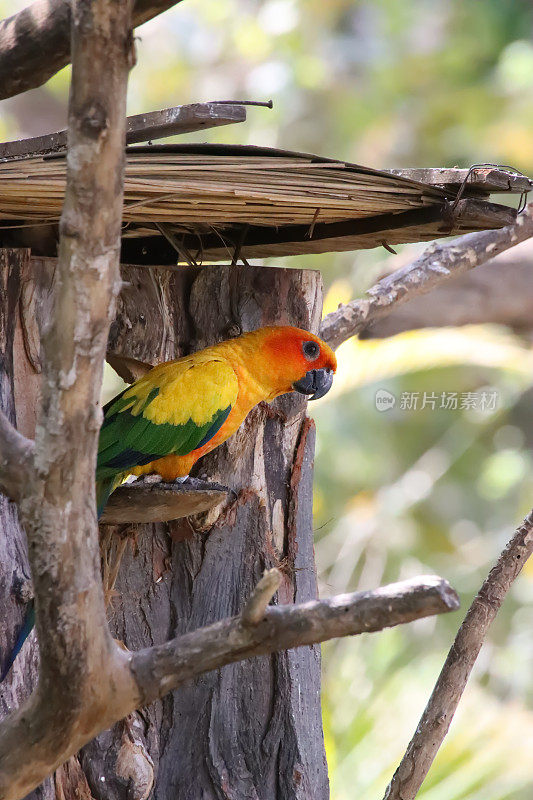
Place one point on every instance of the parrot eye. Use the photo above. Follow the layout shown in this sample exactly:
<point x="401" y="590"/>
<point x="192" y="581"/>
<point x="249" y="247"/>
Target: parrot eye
<point x="311" y="350"/>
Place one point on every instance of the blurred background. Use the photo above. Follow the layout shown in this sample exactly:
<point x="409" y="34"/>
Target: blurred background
<point x="410" y="490"/>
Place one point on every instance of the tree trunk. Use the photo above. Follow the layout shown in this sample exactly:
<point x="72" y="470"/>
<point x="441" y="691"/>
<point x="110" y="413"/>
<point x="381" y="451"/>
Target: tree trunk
<point x="252" y="729"/>
<point x="15" y="582"/>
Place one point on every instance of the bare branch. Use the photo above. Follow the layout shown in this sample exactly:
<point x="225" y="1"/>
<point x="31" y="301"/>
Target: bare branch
<point x="256" y="607"/>
<point x="442" y="704"/>
<point x="139" y="127"/>
<point x="16" y="460"/>
<point x="437" y="264"/>
<point x="35" y="43"/>
<point x="500" y="292"/>
<point x="59" y="510"/>
<point x="160" y="669"/>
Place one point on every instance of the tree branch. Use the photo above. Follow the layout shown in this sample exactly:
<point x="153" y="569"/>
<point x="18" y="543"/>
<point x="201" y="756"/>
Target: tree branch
<point x="500" y="292"/>
<point x="58" y="511"/>
<point x="442" y="704"/>
<point x="437" y="264"/>
<point x="16" y="460"/>
<point x="35" y="43"/>
<point x="158" y="670"/>
<point x="161" y="669"/>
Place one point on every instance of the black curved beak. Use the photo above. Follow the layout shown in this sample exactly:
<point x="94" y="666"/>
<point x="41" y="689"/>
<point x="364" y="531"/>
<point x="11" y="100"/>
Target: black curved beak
<point x="316" y="383"/>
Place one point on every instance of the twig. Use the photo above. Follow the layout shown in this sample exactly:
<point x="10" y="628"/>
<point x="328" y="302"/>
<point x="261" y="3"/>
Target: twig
<point x="16" y="460"/>
<point x="437" y="264"/>
<point x="160" y="669"/>
<point x="256" y="607"/>
<point x="442" y="704"/>
<point x="259" y="103"/>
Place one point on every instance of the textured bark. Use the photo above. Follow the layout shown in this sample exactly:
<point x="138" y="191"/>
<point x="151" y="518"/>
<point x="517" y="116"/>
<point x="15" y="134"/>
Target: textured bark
<point x="166" y="313"/>
<point x="499" y="292"/>
<point x="262" y="628"/>
<point x="251" y="729"/>
<point x="15" y="581"/>
<point x="58" y="506"/>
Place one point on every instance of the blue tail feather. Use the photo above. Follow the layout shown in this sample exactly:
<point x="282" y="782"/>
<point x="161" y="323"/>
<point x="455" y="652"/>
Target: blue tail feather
<point x="24" y="632"/>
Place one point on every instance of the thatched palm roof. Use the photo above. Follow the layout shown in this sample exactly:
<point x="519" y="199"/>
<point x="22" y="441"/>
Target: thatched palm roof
<point x="214" y="202"/>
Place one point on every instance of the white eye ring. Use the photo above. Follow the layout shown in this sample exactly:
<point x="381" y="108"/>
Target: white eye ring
<point x="311" y="350"/>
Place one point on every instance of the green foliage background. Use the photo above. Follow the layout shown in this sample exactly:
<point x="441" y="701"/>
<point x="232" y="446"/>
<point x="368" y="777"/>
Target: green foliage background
<point x="400" y="493"/>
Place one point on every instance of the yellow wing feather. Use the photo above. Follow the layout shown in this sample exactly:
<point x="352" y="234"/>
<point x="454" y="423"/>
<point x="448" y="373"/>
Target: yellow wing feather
<point x="192" y="388"/>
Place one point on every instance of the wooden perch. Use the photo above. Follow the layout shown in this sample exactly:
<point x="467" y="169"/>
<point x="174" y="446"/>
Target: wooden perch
<point x="437" y="264"/>
<point x="35" y="43"/>
<point x="149" y="501"/>
<point x="436" y="719"/>
<point x="158" y="670"/>
<point x="139" y="127"/>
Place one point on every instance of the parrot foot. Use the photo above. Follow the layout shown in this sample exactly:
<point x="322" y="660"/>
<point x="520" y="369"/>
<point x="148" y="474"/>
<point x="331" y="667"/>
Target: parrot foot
<point x="203" y="484"/>
<point x="153" y="477"/>
<point x="200" y="484"/>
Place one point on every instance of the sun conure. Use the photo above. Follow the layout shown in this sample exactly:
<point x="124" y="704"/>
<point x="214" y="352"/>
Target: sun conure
<point x="181" y="410"/>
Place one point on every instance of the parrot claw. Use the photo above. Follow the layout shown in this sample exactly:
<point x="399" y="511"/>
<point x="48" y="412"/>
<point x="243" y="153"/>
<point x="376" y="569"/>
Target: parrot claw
<point x="202" y="485"/>
<point x="152" y="478"/>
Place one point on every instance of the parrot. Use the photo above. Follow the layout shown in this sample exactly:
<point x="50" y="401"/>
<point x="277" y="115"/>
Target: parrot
<point x="182" y="409"/>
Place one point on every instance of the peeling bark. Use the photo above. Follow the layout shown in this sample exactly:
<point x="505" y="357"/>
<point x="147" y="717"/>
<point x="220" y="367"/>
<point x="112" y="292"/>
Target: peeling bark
<point x="15" y="581"/>
<point x="58" y="509"/>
